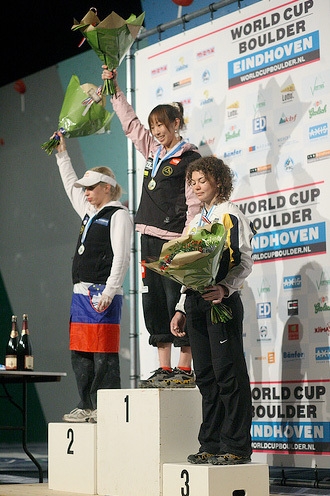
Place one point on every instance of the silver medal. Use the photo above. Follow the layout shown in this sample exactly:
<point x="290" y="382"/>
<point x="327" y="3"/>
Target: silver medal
<point x="81" y="249"/>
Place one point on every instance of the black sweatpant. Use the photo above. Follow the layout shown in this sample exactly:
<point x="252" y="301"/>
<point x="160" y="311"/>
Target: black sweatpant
<point x="221" y="376"/>
<point x="94" y="371"/>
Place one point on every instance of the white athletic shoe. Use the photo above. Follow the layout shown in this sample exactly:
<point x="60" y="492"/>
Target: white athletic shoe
<point x="77" y="415"/>
<point x="93" y="418"/>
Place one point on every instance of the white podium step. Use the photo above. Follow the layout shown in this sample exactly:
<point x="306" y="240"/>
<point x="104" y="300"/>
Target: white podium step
<point x="214" y="480"/>
<point x="72" y="457"/>
<point x="139" y="430"/>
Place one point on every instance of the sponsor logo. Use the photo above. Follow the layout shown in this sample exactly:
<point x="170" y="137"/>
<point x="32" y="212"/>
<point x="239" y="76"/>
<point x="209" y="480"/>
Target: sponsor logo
<point x="207" y="142"/>
<point x="289" y="164"/>
<point x="293" y="332"/>
<point x="322" y="305"/>
<point x="315" y="157"/>
<point x="259" y="125"/>
<point x="260" y="148"/>
<point x="261" y="104"/>
<point x="322" y="353"/>
<point x="233" y="133"/>
<point x="208" y="52"/>
<point x="186" y="101"/>
<point x="264" y="288"/>
<point x="293" y="355"/>
<point x="317" y="109"/>
<point x="182" y="83"/>
<point x="287" y="93"/>
<point x="264" y="310"/>
<point x="167" y="171"/>
<point x="271" y="357"/>
<point x="159" y="71"/>
<point x="207" y="99"/>
<point x="263" y="330"/>
<point x="232" y="153"/>
<point x="292" y="306"/>
<point x="318" y="85"/>
<point x="182" y="65"/>
<point x="320" y="131"/>
<point x="284" y="119"/>
<point x="263" y="333"/>
<point x="206" y="119"/>
<point x="321" y="329"/>
<point x="232" y="110"/>
<point x="159" y="92"/>
<point x="292" y="282"/>
<point x="262" y="169"/>
<point x="206" y="76"/>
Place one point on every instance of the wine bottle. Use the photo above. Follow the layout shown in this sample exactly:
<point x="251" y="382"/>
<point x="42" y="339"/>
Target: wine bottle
<point x="24" y="348"/>
<point x="11" y="348"/>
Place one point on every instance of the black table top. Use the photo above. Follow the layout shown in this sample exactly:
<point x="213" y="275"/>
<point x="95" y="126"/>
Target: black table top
<point x="17" y="376"/>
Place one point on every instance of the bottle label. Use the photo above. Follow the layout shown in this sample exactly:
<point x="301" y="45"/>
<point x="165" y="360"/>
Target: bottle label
<point x="28" y="362"/>
<point x="11" y="362"/>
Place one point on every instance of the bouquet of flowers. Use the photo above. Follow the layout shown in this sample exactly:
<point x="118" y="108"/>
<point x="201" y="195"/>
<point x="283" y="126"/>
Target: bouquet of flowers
<point x="83" y="113"/>
<point x="193" y="261"/>
<point x="110" y="39"/>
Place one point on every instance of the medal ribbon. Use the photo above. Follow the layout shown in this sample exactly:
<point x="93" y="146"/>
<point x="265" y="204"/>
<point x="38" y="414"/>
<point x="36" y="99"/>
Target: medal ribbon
<point x="205" y="216"/>
<point x="156" y="164"/>
<point x="87" y="226"/>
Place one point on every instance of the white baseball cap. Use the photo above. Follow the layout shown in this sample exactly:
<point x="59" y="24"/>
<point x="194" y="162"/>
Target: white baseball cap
<point x="92" y="177"/>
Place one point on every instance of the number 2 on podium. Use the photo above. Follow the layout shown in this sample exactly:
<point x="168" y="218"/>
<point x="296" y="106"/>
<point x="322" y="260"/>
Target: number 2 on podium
<point x="70" y="435"/>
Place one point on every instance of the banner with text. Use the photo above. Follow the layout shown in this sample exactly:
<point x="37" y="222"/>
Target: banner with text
<point x="255" y="86"/>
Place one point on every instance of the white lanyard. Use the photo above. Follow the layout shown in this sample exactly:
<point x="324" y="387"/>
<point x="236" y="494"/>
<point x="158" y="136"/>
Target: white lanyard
<point x="156" y="164"/>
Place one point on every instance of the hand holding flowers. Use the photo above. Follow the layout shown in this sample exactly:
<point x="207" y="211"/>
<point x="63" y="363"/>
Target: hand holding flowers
<point x="110" y="39"/>
<point x="219" y="311"/>
<point x="193" y="261"/>
<point x="83" y="113"/>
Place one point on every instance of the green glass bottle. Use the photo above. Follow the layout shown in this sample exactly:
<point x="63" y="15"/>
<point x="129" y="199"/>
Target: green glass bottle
<point x="11" y="348"/>
<point x="24" y="348"/>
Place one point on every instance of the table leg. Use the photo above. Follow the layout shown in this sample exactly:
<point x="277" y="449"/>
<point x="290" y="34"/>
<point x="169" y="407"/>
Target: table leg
<point x="24" y="433"/>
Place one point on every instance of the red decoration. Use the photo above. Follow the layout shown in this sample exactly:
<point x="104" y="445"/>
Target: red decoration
<point x="183" y="3"/>
<point x="20" y="87"/>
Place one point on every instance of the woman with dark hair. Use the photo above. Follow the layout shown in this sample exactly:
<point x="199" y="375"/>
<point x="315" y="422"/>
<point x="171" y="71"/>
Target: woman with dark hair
<point x="217" y="348"/>
<point x="166" y="206"/>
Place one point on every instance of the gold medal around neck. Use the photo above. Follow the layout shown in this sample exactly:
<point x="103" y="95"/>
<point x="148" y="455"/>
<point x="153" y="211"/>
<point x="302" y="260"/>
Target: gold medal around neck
<point x="81" y="249"/>
<point x="152" y="184"/>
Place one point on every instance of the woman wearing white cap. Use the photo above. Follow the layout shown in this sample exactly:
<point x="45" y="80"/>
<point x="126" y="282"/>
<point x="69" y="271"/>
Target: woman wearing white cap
<point x="99" y="267"/>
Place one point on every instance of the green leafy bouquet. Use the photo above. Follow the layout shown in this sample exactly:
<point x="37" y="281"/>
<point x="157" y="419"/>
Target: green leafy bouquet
<point x="193" y="261"/>
<point x="83" y="113"/>
<point x="110" y="39"/>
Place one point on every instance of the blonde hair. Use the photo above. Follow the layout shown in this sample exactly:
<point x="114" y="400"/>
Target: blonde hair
<point x="115" y="191"/>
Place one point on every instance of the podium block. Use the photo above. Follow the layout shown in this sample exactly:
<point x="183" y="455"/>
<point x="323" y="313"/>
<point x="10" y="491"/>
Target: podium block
<point x="140" y="429"/>
<point x="212" y="480"/>
<point x="72" y="457"/>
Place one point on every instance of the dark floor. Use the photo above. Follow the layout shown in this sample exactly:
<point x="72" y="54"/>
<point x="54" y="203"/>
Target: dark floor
<point x="17" y="468"/>
<point x="305" y="481"/>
